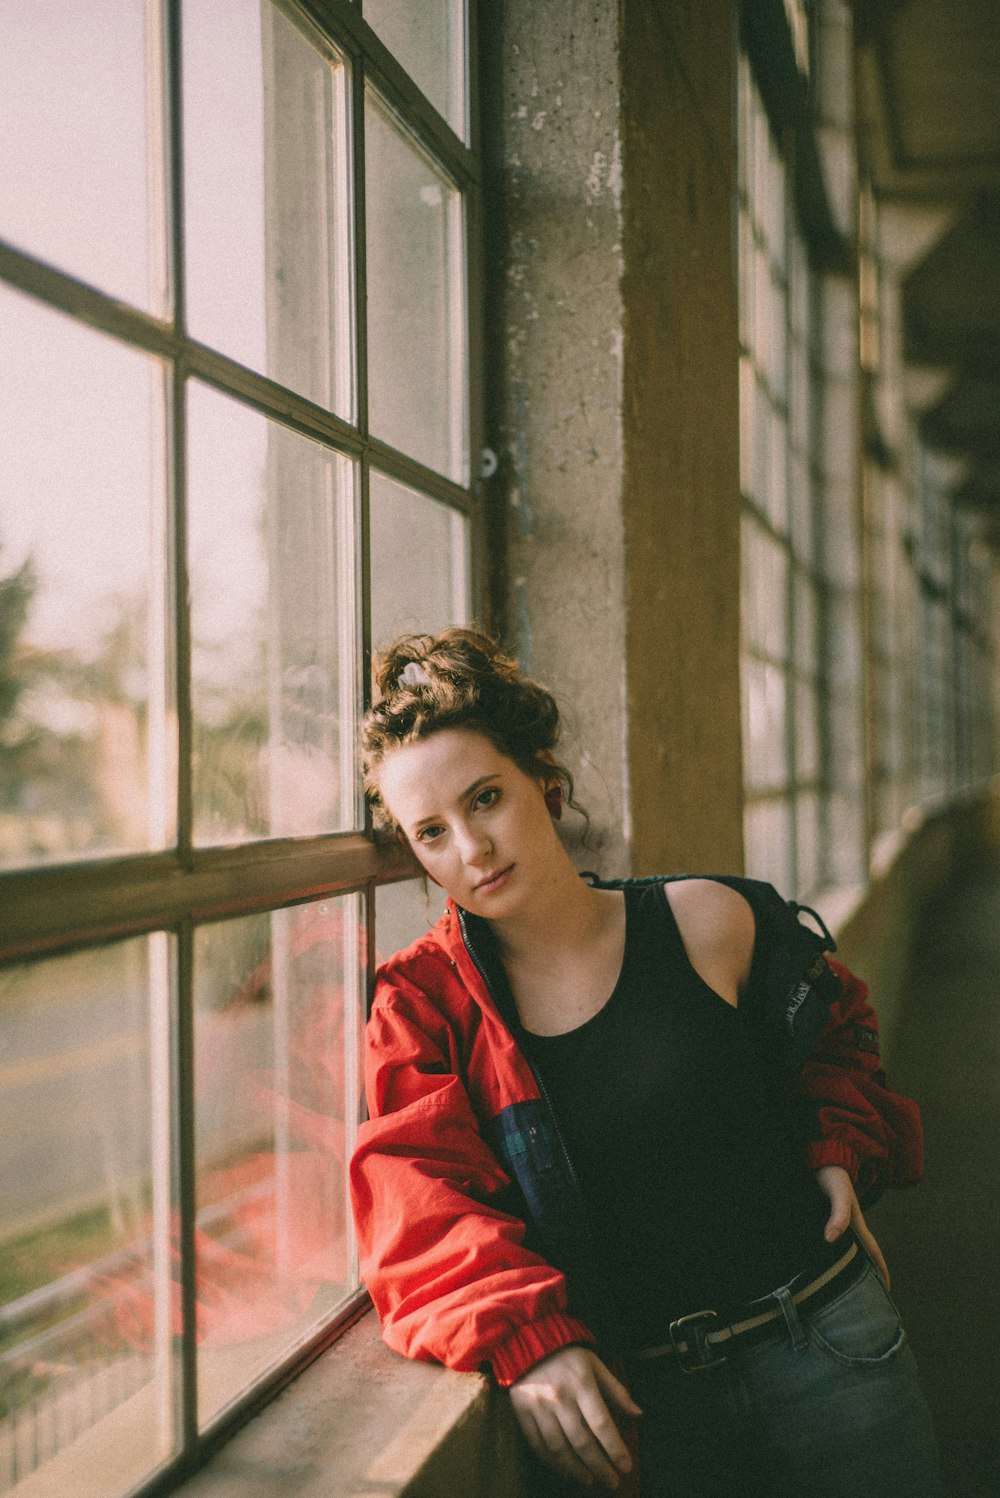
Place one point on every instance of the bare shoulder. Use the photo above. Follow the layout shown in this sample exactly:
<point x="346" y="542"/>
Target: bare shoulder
<point x="717" y="928"/>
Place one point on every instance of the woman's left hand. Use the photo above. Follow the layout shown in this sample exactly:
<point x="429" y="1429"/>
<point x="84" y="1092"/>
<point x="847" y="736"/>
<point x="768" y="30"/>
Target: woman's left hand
<point x="845" y="1211"/>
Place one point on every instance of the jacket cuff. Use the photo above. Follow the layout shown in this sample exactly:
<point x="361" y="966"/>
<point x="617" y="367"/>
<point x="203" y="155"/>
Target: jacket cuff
<point x="832" y="1152"/>
<point x="537" y="1340"/>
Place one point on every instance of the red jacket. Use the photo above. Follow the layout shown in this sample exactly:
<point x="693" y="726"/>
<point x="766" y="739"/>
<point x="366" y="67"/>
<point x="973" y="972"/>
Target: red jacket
<point x="452" y="1266"/>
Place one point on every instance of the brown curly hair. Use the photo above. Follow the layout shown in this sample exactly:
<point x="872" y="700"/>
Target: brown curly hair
<point x="459" y="679"/>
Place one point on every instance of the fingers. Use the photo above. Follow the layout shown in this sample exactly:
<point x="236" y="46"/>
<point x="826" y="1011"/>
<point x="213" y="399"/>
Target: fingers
<point x="871" y="1247"/>
<point x="562" y="1409"/>
<point x="836" y="1224"/>
<point x="547" y="1440"/>
<point x="564" y="1439"/>
<point x="614" y="1389"/>
<point x="836" y="1184"/>
<point x="612" y="1455"/>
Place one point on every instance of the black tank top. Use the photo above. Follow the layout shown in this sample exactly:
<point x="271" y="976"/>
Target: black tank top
<point x="678" y="1124"/>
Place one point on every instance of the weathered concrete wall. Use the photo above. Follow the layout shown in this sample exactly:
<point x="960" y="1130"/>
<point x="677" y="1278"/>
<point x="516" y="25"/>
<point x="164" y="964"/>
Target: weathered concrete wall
<point x="616" y="410"/>
<point x="682" y="511"/>
<point x="557" y="327"/>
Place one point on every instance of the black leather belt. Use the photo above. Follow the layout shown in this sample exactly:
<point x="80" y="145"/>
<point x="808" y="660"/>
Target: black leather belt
<point x="698" y="1341"/>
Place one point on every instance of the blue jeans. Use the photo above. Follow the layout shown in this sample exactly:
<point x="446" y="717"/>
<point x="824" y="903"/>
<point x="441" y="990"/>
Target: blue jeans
<point x="831" y="1409"/>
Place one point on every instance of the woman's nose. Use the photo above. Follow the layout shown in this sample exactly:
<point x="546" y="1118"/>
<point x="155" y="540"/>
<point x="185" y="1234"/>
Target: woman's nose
<point x="475" y="845"/>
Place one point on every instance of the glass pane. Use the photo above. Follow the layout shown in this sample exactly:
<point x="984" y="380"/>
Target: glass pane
<point x="88" y="1315"/>
<point x="416" y="300"/>
<point x="419" y="577"/>
<point x="403" y="912"/>
<point x="266" y="197"/>
<point x="81" y="142"/>
<point x="763" y="591"/>
<point x="748" y="431"/>
<point x="271" y="525"/>
<point x="767" y="829"/>
<point x="278" y="1014"/>
<point x="807" y="639"/>
<point x="808" y="845"/>
<point x="428" y="38"/>
<point x="87" y="733"/>
<point x="765" y="751"/>
<point x="807" y="721"/>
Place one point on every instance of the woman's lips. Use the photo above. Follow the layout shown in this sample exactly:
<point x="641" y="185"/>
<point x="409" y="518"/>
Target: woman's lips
<point x="495" y="881"/>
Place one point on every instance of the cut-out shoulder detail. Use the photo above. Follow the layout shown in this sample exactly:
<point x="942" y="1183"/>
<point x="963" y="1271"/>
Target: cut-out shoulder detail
<point x="717" y="928"/>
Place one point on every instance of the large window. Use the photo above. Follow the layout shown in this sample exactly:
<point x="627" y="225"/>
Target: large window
<point x="783" y="596"/>
<point x="236" y="353"/>
<point x="866" y="661"/>
<point x="802" y="658"/>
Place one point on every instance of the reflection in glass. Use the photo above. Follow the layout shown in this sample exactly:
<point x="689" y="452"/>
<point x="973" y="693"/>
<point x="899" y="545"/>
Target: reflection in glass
<point x="403" y="912"/>
<point x="266" y="197"/>
<point x="81" y="142"/>
<point x="428" y="38"/>
<point x="271" y="563"/>
<point x="86" y="1322"/>
<point x="86" y="727"/>
<point x="278" y="1004"/>
<point x="419" y="575"/>
<point x="416" y="300"/>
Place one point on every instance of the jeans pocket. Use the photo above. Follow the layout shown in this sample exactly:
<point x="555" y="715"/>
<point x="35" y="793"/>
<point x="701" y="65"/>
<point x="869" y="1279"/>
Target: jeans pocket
<point x="862" y="1326"/>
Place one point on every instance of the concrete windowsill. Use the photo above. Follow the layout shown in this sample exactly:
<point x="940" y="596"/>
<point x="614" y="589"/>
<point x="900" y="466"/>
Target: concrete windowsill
<point x="358" y="1421"/>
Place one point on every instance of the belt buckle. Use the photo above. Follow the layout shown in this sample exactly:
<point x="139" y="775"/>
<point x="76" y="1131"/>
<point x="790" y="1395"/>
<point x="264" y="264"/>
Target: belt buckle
<point x="696" y="1330"/>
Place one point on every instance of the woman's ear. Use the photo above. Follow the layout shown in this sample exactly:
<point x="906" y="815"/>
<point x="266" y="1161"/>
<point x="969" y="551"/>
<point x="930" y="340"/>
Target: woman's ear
<point x="554" y="799"/>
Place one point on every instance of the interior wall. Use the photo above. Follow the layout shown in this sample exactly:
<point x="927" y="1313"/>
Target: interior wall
<point x="937" y="851"/>
<point x="554" y="321"/>
<point x="613" y="408"/>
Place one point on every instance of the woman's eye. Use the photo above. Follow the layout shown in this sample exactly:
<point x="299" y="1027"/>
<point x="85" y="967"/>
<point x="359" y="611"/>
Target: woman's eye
<point x="428" y="834"/>
<point x="488" y="795"/>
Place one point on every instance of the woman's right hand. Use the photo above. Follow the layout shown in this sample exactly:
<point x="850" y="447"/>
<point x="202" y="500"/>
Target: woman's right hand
<point x="562" y="1406"/>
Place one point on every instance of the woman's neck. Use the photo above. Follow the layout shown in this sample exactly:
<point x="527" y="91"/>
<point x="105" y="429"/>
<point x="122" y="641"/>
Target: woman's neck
<point x="566" y="917"/>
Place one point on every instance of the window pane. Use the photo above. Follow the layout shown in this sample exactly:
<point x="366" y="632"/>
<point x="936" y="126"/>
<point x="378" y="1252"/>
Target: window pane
<point x="81" y="149"/>
<point x="418" y="562"/>
<point x="764" y="591"/>
<point x="86" y="731"/>
<point x="416" y="300"/>
<point x="808" y="843"/>
<point x="403" y="912"/>
<point x="266" y="197"/>
<point x="428" y="38"/>
<point x="278" y="1012"/>
<point x="765" y="751"/>
<point x="87" y="1320"/>
<point x="767" y="829"/>
<point x="271" y="524"/>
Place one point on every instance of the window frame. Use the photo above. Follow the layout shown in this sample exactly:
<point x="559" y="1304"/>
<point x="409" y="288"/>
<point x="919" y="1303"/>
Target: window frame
<point x="796" y="282"/>
<point x="61" y="907"/>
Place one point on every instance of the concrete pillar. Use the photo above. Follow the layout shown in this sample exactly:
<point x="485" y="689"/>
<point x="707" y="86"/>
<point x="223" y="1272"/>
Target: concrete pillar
<point x="615" y="407"/>
<point x="681" y="433"/>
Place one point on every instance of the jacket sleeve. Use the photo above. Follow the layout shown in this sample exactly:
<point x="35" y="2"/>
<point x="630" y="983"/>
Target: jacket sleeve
<point x="855" y="1120"/>
<point x="447" y="1268"/>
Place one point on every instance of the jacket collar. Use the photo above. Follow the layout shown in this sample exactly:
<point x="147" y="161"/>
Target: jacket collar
<point x="470" y="943"/>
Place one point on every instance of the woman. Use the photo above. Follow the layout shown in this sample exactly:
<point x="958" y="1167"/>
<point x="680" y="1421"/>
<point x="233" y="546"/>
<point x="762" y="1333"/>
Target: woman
<point x="622" y="1122"/>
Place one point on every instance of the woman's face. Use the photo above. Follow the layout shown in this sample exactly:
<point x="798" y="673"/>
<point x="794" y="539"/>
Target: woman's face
<point x="476" y="822"/>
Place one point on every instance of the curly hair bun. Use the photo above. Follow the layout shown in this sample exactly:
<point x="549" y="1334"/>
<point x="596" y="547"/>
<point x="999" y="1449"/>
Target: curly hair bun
<point x="460" y="678"/>
<point x="402" y="663"/>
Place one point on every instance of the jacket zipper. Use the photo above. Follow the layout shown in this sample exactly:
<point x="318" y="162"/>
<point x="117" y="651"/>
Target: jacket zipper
<point x="539" y="1080"/>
